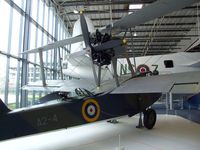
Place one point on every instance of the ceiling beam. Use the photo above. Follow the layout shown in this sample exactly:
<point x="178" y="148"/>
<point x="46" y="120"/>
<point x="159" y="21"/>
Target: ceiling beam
<point x="128" y="37"/>
<point x="102" y="2"/>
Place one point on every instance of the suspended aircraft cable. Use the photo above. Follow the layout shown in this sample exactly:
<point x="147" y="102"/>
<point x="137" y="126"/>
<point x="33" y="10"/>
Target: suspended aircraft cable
<point x="158" y="59"/>
<point x="198" y="21"/>
<point x="111" y="19"/>
<point x="67" y="17"/>
<point x="133" y="48"/>
<point x="63" y="2"/>
<point x="155" y="60"/>
<point x="147" y="42"/>
<point x="100" y="21"/>
<point x="153" y="32"/>
<point x="198" y="34"/>
<point x="58" y="7"/>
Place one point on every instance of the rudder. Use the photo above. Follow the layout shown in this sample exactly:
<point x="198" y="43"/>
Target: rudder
<point x="3" y="108"/>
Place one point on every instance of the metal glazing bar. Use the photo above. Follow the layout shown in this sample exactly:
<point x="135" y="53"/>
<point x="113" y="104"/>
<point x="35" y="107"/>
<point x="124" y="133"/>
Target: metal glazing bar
<point x="8" y="58"/>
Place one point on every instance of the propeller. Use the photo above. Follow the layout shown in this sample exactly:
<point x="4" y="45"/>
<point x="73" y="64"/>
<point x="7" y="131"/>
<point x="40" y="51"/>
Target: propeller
<point x="86" y="38"/>
<point x="85" y="32"/>
<point x="101" y="49"/>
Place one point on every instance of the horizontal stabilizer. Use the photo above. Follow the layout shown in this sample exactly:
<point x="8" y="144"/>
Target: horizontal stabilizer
<point x="3" y="108"/>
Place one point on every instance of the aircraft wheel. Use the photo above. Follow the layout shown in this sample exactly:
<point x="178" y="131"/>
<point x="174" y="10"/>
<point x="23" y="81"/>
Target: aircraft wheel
<point x="149" y="119"/>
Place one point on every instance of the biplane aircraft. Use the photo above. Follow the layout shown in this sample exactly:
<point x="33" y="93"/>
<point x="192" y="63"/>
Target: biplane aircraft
<point x="94" y="63"/>
<point x="135" y="95"/>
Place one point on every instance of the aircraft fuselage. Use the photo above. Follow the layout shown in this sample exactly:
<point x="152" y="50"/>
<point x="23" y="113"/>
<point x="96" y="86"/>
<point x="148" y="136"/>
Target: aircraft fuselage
<point x="69" y="113"/>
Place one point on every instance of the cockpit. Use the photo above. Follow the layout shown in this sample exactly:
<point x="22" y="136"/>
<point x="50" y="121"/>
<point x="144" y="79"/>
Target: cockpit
<point x="81" y="92"/>
<point x="78" y="93"/>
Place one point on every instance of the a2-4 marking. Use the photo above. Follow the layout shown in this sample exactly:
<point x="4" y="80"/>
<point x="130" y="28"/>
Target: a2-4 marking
<point x="46" y="120"/>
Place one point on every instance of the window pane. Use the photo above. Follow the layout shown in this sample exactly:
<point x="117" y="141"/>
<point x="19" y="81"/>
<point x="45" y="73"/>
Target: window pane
<point x="34" y="8"/>
<point x="40" y="12"/>
<point x="46" y="15"/>
<point x="50" y="20"/>
<point x="16" y="33"/>
<point x="12" y="83"/>
<point x="2" y="76"/>
<point x="20" y="3"/>
<point x="4" y="25"/>
<point x="32" y="42"/>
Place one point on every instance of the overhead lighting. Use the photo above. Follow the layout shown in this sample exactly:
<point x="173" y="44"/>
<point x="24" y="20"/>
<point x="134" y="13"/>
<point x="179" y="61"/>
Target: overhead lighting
<point x="75" y="11"/>
<point x="135" y="34"/>
<point x="135" y="7"/>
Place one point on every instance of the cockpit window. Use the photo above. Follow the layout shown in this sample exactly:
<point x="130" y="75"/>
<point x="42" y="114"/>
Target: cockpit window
<point x="83" y="92"/>
<point x="168" y="63"/>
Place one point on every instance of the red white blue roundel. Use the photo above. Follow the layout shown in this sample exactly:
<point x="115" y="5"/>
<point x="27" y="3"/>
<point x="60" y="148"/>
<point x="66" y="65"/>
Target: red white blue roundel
<point x="90" y="110"/>
<point x="143" y="68"/>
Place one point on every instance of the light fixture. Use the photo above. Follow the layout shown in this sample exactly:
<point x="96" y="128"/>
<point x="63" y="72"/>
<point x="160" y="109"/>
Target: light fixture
<point x="75" y="11"/>
<point x="135" y="34"/>
<point x="135" y="7"/>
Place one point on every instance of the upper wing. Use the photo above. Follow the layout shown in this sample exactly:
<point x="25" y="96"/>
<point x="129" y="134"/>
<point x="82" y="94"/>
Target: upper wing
<point x="187" y="82"/>
<point x="154" y="10"/>
<point x="57" y="44"/>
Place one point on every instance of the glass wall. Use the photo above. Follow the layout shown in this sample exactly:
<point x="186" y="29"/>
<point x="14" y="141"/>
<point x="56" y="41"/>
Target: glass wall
<point x="19" y="32"/>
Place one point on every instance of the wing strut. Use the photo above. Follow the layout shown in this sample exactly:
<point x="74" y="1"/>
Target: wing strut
<point x="42" y="68"/>
<point x="60" y="63"/>
<point x="99" y="76"/>
<point x="130" y="65"/>
<point x="114" y="65"/>
<point x="93" y="69"/>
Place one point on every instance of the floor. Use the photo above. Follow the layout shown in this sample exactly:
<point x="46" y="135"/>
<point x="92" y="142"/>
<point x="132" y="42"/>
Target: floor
<point x="170" y="133"/>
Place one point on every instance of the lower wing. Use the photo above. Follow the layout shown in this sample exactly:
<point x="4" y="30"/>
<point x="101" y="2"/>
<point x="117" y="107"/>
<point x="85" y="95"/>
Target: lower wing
<point x="187" y="82"/>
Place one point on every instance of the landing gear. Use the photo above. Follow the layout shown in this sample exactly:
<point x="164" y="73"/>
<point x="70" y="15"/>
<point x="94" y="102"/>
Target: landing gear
<point x="149" y="119"/>
<point x="140" y="124"/>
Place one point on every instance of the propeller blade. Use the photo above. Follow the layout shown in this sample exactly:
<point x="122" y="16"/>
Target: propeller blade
<point x="86" y="37"/>
<point x="154" y="10"/>
<point x="85" y="32"/>
<point x="108" y="45"/>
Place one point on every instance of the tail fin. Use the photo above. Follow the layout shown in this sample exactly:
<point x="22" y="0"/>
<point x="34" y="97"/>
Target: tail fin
<point x="3" y="108"/>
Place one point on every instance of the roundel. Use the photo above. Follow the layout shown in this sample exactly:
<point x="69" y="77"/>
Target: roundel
<point x="143" y="68"/>
<point x="90" y="110"/>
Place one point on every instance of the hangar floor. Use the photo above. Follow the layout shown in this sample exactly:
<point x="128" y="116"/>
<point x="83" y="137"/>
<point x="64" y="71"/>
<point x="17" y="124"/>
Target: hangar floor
<point x="170" y="133"/>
